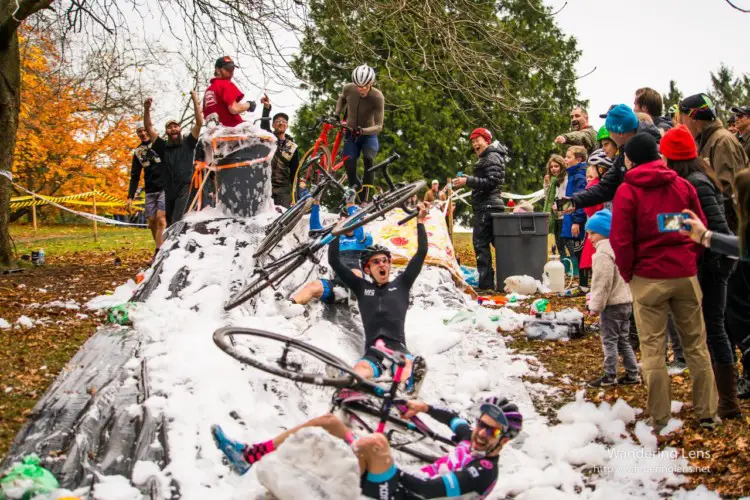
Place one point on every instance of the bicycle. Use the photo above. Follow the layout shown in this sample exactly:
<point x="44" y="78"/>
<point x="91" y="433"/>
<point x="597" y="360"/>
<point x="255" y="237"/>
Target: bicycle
<point x="301" y="362"/>
<point x="321" y="149"/>
<point x="273" y="273"/>
<point x="289" y="219"/>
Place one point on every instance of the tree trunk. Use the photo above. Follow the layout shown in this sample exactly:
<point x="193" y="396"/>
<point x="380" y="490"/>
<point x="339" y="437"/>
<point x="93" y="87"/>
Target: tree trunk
<point x="10" y="83"/>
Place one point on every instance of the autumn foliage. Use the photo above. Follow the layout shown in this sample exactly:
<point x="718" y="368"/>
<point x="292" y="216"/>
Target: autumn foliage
<point x="62" y="146"/>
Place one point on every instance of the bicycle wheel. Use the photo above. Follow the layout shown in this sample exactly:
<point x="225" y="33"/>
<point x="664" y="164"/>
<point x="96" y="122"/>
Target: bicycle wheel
<point x="377" y="207"/>
<point x="263" y="281"/>
<point x="304" y="172"/>
<point x="285" y="357"/>
<point x="282" y="226"/>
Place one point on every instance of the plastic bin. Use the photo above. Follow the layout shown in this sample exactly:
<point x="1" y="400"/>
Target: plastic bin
<point x="520" y="245"/>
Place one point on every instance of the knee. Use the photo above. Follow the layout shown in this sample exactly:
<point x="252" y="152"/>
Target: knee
<point x="373" y="443"/>
<point x="315" y="288"/>
<point x="161" y="220"/>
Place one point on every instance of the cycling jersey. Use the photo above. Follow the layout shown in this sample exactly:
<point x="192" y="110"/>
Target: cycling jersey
<point x="365" y="112"/>
<point x="456" y="475"/>
<point x="383" y="307"/>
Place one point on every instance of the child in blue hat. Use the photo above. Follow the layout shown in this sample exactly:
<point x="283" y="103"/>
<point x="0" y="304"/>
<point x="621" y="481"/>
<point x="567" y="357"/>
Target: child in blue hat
<point x="610" y="297"/>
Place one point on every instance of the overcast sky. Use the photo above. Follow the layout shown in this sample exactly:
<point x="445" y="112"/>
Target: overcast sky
<point x="645" y="43"/>
<point x="632" y="44"/>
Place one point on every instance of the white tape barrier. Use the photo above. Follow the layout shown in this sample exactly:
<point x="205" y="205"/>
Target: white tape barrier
<point x="86" y="215"/>
<point x="7" y="174"/>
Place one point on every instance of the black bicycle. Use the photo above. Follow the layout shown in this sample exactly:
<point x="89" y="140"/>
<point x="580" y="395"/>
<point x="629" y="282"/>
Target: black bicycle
<point x="271" y="274"/>
<point x="290" y="218"/>
<point x="301" y="362"/>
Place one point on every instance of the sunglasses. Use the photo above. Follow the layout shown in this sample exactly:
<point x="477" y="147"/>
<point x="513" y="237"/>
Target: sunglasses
<point x="377" y="262"/>
<point x="489" y="430"/>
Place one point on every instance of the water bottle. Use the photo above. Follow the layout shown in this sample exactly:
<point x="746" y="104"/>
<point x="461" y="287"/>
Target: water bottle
<point x="554" y="274"/>
<point x="41" y="256"/>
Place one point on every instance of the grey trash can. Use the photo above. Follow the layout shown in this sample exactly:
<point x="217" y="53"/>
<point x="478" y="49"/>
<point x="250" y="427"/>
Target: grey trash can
<point x="241" y="189"/>
<point x="520" y="245"/>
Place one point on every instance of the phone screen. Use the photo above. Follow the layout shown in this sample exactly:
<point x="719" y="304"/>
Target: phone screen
<point x="671" y="222"/>
<point x="563" y="204"/>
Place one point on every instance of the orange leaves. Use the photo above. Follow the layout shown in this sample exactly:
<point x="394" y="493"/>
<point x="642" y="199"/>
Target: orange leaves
<point x="62" y="147"/>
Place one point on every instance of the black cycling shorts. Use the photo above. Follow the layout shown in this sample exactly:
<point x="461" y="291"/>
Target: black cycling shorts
<point x="385" y="486"/>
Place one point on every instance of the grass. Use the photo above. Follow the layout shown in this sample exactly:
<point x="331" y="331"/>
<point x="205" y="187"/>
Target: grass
<point x="57" y="240"/>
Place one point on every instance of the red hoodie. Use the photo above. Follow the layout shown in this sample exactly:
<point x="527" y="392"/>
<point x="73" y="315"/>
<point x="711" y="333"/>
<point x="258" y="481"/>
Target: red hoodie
<point x="640" y="249"/>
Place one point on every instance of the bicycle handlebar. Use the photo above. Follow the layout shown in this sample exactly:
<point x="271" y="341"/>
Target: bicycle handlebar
<point x="330" y="121"/>
<point x="262" y="119"/>
<point x="386" y="162"/>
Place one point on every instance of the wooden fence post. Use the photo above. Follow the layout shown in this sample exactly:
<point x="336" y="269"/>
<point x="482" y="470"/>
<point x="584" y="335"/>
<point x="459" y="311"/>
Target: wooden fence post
<point x="33" y="215"/>
<point x="96" y="230"/>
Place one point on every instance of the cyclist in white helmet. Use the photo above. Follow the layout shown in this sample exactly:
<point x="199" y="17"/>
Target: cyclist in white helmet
<point x="364" y="114"/>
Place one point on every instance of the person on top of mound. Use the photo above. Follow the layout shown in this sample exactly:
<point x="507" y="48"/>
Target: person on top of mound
<point x="470" y="470"/>
<point x="222" y="102"/>
<point x="383" y="303"/>
<point x="351" y="246"/>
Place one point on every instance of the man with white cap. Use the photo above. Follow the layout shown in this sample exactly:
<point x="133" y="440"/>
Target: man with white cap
<point x="434" y="193"/>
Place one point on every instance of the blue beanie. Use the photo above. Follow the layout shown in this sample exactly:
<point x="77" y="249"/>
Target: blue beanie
<point x="600" y="222"/>
<point x="621" y="119"/>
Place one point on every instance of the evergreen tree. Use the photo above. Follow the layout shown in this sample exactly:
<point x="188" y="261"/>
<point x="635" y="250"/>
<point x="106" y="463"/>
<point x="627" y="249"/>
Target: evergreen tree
<point x="728" y="90"/>
<point x="429" y="110"/>
<point x="673" y="98"/>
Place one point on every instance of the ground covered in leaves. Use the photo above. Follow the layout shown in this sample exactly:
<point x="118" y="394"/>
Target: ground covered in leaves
<point x="726" y="451"/>
<point x="51" y="297"/>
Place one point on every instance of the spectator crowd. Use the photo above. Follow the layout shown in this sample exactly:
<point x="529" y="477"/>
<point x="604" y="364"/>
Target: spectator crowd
<point x="650" y="212"/>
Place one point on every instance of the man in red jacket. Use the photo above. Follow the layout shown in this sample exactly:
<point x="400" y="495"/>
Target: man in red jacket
<point x="222" y="101"/>
<point x="661" y="269"/>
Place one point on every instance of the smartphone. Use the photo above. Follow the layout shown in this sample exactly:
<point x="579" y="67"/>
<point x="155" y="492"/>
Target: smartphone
<point x="671" y="222"/>
<point x="563" y="204"/>
<point x="459" y="174"/>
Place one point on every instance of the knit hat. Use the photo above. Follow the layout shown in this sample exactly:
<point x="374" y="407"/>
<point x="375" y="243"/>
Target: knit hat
<point x="481" y="132"/>
<point x="678" y="144"/>
<point x="698" y="107"/>
<point x="621" y="119"/>
<point x="600" y="222"/>
<point x="642" y="148"/>
<point x="603" y="134"/>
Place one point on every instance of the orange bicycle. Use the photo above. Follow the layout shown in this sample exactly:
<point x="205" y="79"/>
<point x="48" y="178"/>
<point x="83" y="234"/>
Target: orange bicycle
<point x="328" y="158"/>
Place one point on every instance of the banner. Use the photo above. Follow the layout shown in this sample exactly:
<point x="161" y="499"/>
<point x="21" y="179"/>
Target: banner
<point x="402" y="240"/>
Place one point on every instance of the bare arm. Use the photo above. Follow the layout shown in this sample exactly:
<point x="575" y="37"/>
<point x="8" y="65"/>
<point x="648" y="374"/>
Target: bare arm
<point x="147" y="119"/>
<point x="239" y="107"/>
<point x="196" y="130"/>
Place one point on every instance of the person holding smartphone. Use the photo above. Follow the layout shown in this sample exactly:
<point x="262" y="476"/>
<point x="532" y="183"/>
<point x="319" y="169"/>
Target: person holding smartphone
<point x="661" y="269"/>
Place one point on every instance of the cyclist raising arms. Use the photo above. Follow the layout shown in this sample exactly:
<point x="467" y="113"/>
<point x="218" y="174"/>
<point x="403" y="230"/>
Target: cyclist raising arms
<point x="364" y="114"/>
<point x="468" y="471"/>
<point x="383" y="303"/>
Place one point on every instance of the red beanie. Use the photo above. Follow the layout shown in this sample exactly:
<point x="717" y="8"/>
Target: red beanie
<point x="678" y="144"/>
<point x="481" y="132"/>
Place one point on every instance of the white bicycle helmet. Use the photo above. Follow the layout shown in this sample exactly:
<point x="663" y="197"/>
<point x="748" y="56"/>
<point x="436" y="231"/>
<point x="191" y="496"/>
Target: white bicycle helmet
<point x="599" y="159"/>
<point x="363" y="76"/>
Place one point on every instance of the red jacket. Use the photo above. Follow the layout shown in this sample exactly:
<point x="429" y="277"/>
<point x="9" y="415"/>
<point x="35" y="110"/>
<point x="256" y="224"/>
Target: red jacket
<point x="640" y="249"/>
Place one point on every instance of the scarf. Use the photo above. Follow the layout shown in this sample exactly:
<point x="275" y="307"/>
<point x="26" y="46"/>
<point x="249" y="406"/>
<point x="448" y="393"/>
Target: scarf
<point x="549" y="202"/>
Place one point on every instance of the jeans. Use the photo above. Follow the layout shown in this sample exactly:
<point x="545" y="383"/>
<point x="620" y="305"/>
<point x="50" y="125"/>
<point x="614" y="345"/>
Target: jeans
<point x="615" y="331"/>
<point x="368" y="146"/>
<point x="177" y="203"/>
<point x="482" y="239"/>
<point x="713" y="275"/>
<point x="738" y="311"/>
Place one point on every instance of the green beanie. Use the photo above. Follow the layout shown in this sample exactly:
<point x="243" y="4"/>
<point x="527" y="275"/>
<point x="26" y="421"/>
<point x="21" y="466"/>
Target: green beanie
<point x="603" y="134"/>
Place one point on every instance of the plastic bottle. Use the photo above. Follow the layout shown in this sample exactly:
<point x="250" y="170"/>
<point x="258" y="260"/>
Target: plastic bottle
<point x="41" y="256"/>
<point x="554" y="274"/>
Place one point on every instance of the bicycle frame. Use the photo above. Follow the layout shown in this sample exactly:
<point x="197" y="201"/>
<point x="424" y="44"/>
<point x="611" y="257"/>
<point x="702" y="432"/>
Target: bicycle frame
<point x="323" y="139"/>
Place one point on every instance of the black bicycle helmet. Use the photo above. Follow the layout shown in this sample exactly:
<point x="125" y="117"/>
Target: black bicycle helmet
<point x="368" y="253"/>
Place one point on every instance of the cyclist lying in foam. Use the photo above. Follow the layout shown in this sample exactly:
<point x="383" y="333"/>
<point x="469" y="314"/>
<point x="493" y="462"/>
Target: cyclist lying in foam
<point x="383" y="303"/>
<point x="468" y="471"/>
<point x="351" y="245"/>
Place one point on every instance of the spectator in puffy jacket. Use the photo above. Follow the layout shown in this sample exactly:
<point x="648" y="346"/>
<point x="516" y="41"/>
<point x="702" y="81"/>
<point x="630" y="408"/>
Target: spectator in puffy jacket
<point x="738" y="290"/>
<point x="647" y="100"/>
<point x="718" y="146"/>
<point x="661" y="269"/>
<point x="485" y="184"/>
<point x="573" y="223"/>
<point x="714" y="269"/>
<point x="622" y="125"/>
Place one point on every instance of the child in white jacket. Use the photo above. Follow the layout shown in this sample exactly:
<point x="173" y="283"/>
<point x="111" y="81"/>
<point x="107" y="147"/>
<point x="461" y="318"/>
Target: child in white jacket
<point x="610" y="297"/>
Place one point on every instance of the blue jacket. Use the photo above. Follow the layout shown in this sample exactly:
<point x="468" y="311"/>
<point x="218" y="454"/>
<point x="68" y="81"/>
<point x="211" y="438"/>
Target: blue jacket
<point x="576" y="183"/>
<point x="358" y="241"/>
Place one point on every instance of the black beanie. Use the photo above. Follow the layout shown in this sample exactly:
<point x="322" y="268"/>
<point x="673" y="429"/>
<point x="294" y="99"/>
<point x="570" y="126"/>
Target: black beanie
<point x="642" y="148"/>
